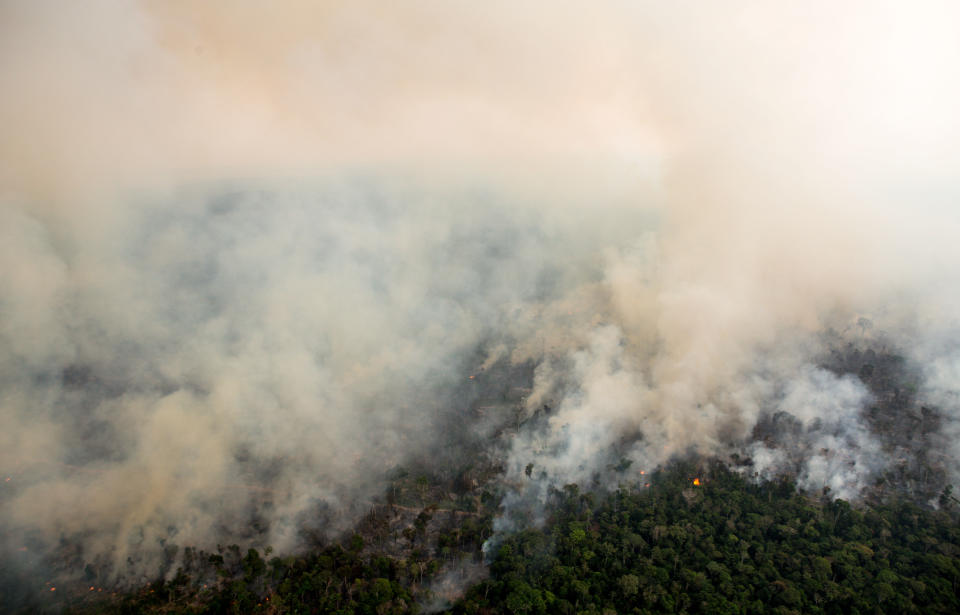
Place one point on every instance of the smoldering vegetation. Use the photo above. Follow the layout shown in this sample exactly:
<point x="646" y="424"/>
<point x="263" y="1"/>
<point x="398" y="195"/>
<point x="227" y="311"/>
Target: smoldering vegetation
<point x="853" y="423"/>
<point x="289" y="348"/>
<point x="234" y="389"/>
<point x="243" y="281"/>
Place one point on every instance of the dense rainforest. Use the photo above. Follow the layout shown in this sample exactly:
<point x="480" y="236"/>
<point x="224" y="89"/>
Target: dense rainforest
<point x="697" y="537"/>
<point x="721" y="545"/>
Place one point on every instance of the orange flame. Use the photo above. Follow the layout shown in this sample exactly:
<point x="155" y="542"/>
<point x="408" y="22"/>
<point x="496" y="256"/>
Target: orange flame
<point x="696" y="481"/>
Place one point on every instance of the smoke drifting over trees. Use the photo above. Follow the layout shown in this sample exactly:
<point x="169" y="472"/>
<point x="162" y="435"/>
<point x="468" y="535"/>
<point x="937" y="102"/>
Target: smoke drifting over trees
<point x="251" y="256"/>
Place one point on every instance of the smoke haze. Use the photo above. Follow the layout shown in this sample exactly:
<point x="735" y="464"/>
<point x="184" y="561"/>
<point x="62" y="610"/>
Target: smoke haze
<point x="250" y="255"/>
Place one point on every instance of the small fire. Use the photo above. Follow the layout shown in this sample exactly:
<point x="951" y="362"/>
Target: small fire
<point x="53" y="589"/>
<point x="642" y="472"/>
<point x="696" y="482"/>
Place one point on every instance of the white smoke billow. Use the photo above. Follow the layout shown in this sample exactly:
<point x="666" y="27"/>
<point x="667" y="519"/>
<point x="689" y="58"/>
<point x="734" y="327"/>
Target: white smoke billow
<point x="250" y="255"/>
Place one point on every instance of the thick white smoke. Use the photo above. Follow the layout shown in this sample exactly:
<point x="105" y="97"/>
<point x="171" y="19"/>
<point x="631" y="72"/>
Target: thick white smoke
<point x="249" y="254"/>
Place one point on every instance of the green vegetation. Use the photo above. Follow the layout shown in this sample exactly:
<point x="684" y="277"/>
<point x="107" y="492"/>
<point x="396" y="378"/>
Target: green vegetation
<point x="334" y="580"/>
<point x="724" y="546"/>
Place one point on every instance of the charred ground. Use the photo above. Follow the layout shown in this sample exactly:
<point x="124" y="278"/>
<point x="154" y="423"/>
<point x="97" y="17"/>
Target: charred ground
<point x="419" y="545"/>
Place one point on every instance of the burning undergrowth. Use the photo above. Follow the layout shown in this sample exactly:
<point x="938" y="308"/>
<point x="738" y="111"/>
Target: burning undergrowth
<point x="852" y="424"/>
<point x="232" y="400"/>
<point x="241" y="280"/>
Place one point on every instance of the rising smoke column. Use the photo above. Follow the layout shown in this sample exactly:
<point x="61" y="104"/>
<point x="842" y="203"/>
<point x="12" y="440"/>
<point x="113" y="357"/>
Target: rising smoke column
<point x="804" y="188"/>
<point x="249" y="252"/>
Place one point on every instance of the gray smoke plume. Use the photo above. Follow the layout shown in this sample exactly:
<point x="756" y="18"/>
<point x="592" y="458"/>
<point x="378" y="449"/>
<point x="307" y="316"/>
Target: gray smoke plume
<point x="250" y="256"/>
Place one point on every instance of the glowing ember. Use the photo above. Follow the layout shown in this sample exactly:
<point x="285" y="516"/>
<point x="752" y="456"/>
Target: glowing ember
<point x="696" y="481"/>
<point x="53" y="589"/>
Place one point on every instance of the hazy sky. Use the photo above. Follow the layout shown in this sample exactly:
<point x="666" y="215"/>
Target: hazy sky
<point x="248" y="243"/>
